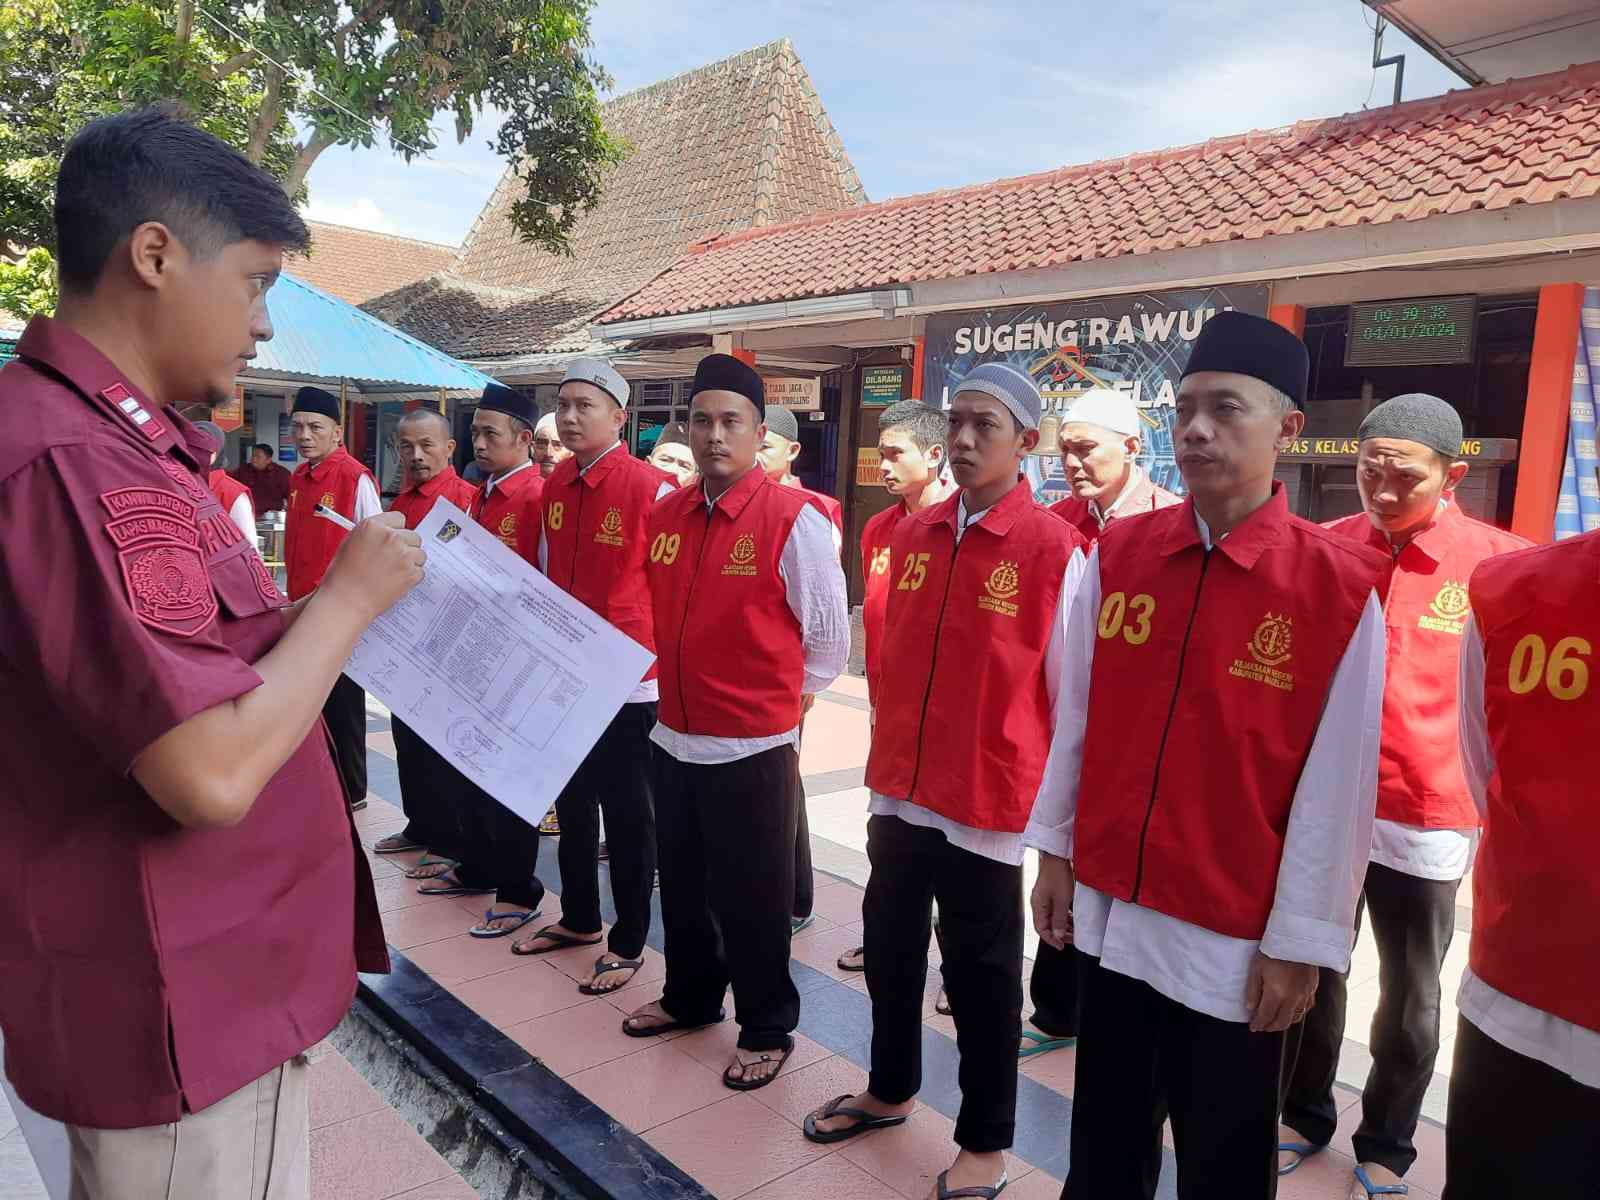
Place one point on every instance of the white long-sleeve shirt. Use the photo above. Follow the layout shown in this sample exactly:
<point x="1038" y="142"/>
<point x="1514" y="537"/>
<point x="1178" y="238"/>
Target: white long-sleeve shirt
<point x="813" y="584"/>
<point x="1325" y="847"/>
<point x="368" y="502"/>
<point x="1569" y="1048"/>
<point x="991" y="843"/>
<point x="243" y="515"/>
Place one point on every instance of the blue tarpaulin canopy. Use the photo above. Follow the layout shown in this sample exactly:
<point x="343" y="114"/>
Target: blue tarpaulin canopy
<point x="317" y="336"/>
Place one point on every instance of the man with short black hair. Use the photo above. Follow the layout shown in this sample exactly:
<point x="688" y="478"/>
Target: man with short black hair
<point x="269" y="483"/>
<point x="159" y="700"/>
<point x="735" y="561"/>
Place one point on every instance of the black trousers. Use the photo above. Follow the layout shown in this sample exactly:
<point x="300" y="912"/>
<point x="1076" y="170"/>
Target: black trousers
<point x="498" y="848"/>
<point x="1143" y="1058"/>
<point x="1517" y="1127"/>
<point x="426" y="784"/>
<point x="725" y="837"/>
<point x="980" y="921"/>
<point x="1412" y="923"/>
<point x="616" y="777"/>
<point x="805" y="883"/>
<point x="346" y="714"/>
<point x="1056" y="990"/>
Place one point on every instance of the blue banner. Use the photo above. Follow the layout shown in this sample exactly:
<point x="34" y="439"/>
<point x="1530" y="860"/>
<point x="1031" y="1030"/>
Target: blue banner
<point x="1578" y="507"/>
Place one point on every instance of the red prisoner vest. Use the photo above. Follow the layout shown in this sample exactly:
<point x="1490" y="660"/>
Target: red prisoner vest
<point x="226" y="489"/>
<point x="1209" y="678"/>
<point x="595" y="542"/>
<point x="1536" y="892"/>
<point x="310" y="541"/>
<point x="963" y="723"/>
<point x="415" y="502"/>
<point x="732" y="654"/>
<point x="512" y="506"/>
<point x="1425" y="610"/>
<point x="875" y="542"/>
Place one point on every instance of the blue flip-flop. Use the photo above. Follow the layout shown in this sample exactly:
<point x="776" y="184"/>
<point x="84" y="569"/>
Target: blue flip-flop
<point x="1380" y="1189"/>
<point x="490" y="915"/>
<point x="1043" y="1043"/>
<point x="1304" y="1149"/>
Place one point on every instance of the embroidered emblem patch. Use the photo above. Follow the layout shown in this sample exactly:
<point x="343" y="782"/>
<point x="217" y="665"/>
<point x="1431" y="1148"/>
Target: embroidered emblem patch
<point x="158" y="553"/>
<point x="1004" y="582"/>
<point x="1449" y="609"/>
<point x="1270" y="647"/>
<point x="266" y="584"/>
<point x="742" y="558"/>
<point x="186" y="480"/>
<point x="610" y="531"/>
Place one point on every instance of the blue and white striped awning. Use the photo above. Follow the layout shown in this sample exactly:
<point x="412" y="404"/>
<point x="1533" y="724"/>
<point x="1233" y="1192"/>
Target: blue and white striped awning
<point x="319" y="337"/>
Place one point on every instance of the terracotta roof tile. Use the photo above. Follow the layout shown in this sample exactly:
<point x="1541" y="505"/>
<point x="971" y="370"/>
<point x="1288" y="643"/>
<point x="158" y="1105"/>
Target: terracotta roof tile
<point x="1525" y="141"/>
<point x="736" y="145"/>
<point x="357" y="264"/>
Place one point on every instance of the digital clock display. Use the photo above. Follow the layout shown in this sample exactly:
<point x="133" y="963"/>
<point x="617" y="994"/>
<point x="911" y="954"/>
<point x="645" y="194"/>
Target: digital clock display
<point x="1413" y="332"/>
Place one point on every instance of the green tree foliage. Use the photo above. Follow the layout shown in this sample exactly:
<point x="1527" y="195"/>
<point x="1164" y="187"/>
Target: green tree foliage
<point x="285" y="79"/>
<point x="28" y="286"/>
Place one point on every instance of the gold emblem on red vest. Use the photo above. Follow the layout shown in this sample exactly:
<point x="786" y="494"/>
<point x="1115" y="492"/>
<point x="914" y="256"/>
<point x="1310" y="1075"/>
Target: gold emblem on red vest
<point x="741" y="559"/>
<point x="1449" y="608"/>
<point x="1004" y="582"/>
<point x="327" y="498"/>
<point x="610" y="531"/>
<point x="508" y="530"/>
<point x="1270" y="647"/>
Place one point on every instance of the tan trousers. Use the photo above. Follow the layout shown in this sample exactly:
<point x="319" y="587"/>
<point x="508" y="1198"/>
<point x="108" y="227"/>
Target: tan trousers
<point x="252" y="1145"/>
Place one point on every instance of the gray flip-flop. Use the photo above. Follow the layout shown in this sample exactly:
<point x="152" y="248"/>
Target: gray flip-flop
<point x="865" y="1122"/>
<point x="970" y="1193"/>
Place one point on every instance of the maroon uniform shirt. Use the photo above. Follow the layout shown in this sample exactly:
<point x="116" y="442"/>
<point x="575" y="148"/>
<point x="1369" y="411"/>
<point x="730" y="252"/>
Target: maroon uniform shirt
<point x="146" y="970"/>
<point x="269" y="489"/>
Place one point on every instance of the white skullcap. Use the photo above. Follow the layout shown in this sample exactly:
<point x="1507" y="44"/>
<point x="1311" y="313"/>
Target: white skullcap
<point x="548" y="421"/>
<point x="1107" y="408"/>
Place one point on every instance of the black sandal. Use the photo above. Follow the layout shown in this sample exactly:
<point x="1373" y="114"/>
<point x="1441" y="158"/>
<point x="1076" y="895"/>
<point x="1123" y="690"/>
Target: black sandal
<point x="743" y="1084"/>
<point x="865" y="1122"/>
<point x="604" y="965"/>
<point x="671" y="1026"/>
<point x="558" y="941"/>
<point x="971" y="1193"/>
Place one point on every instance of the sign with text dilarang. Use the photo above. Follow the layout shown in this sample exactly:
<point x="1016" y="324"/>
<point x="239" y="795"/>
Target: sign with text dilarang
<point x="1137" y="343"/>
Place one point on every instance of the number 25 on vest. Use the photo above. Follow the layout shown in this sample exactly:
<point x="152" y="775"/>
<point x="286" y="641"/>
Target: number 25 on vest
<point x="1130" y="618"/>
<point x="1562" y="668"/>
<point x="915" y="573"/>
<point x="664" y="549"/>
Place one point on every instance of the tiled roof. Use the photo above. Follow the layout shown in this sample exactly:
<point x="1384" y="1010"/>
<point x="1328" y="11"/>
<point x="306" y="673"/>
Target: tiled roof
<point x="358" y="264"/>
<point x="1524" y="142"/>
<point x="738" y="144"/>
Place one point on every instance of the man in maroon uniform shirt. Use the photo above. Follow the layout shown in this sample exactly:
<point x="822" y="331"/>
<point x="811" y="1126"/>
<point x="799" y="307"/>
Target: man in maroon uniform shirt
<point x="220" y="904"/>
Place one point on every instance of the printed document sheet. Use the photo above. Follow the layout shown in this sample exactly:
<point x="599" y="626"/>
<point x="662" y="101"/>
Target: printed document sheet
<point x="495" y="667"/>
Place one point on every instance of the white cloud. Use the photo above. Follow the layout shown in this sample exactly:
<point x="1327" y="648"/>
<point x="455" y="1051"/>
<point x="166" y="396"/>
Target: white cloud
<point x="361" y="212"/>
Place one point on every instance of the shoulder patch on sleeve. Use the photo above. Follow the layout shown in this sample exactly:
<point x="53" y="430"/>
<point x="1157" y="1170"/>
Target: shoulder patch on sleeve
<point x="158" y="553"/>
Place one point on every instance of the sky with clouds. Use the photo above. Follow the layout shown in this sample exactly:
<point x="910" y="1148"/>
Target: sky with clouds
<point x="948" y="92"/>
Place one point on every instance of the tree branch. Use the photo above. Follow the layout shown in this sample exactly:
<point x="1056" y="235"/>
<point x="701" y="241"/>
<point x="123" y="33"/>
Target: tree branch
<point x="266" y="116"/>
<point x="228" y="66"/>
<point x="185" y="25"/>
<point x="341" y="35"/>
<point x="309" y="152"/>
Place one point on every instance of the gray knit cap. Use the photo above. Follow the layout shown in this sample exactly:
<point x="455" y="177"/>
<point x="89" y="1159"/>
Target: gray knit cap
<point x="782" y="422"/>
<point x="1009" y="386"/>
<point x="1416" y="417"/>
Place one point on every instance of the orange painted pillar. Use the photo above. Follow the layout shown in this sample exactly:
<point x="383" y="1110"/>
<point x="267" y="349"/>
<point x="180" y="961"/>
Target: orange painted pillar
<point x="1544" y="423"/>
<point x="747" y="357"/>
<point x="1291" y="316"/>
<point x="917" y="346"/>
